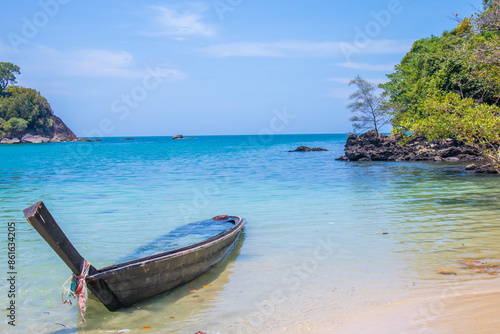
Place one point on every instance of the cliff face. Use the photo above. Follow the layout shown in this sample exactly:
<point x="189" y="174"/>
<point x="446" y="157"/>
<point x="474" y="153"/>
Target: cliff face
<point x="60" y="132"/>
<point x="370" y="147"/>
<point x="56" y="133"/>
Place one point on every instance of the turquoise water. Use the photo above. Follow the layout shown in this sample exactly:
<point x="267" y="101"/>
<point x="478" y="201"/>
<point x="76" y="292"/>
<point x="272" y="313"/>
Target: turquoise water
<point x="313" y="250"/>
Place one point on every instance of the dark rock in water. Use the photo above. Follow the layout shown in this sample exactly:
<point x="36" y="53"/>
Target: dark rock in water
<point x="87" y="140"/>
<point x="182" y="137"/>
<point x="483" y="168"/>
<point x="128" y="138"/>
<point x="370" y="147"/>
<point x="471" y="167"/>
<point x="307" y="149"/>
<point x="221" y="217"/>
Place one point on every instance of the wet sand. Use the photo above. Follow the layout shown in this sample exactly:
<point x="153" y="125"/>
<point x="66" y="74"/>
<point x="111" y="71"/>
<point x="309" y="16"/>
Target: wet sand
<point x="478" y="313"/>
<point x="469" y="313"/>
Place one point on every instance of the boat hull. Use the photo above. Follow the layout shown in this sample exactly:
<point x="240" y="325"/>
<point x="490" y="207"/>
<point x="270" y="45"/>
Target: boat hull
<point x="131" y="282"/>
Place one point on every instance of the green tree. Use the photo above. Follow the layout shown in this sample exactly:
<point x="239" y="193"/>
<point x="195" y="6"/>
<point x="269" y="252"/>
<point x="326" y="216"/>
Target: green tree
<point x="17" y="125"/>
<point x="449" y="86"/>
<point x="438" y="64"/>
<point x="21" y="108"/>
<point x="450" y="115"/>
<point x="7" y="74"/>
<point x="369" y="109"/>
<point x="24" y="104"/>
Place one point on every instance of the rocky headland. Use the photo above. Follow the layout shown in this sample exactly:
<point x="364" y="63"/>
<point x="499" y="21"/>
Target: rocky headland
<point x="370" y="147"/>
<point x="26" y="116"/>
<point x="56" y="133"/>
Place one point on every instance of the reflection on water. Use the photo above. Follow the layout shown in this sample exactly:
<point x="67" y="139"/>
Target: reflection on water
<point x="324" y="239"/>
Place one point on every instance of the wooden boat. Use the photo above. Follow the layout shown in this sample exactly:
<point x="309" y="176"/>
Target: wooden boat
<point x="124" y="284"/>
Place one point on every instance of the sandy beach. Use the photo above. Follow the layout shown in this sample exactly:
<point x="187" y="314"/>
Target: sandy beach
<point x="470" y="313"/>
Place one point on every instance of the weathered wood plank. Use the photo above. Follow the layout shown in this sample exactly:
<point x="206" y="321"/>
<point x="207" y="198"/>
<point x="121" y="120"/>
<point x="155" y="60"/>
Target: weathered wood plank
<point x="43" y="222"/>
<point x="40" y="218"/>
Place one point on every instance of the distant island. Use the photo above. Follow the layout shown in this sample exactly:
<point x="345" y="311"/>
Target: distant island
<point x="182" y="137"/>
<point x="25" y="115"/>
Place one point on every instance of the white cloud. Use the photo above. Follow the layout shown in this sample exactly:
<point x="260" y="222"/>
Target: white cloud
<point x="100" y="63"/>
<point x="381" y="46"/>
<point x="172" y="23"/>
<point x="58" y="71"/>
<point x="273" y="49"/>
<point x="367" y="67"/>
<point x="50" y="87"/>
<point x="306" y="49"/>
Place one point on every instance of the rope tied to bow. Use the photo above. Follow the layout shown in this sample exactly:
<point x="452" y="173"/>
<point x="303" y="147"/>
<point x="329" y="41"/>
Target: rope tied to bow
<point x="78" y="288"/>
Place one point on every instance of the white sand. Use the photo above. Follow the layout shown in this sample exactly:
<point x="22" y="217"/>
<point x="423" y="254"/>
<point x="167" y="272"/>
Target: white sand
<point x="469" y="313"/>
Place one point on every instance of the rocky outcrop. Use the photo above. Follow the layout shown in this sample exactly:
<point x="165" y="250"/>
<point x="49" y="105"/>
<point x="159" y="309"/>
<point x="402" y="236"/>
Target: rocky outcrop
<point x="370" y="147"/>
<point x="481" y="168"/>
<point x="87" y="140"/>
<point x="182" y="137"/>
<point x="59" y="132"/>
<point x="37" y="139"/>
<point x="10" y="141"/>
<point x="56" y="133"/>
<point x="308" y="149"/>
<point x="129" y="138"/>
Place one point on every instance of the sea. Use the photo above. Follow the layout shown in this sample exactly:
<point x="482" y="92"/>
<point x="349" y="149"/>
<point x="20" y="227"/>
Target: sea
<point x="325" y="242"/>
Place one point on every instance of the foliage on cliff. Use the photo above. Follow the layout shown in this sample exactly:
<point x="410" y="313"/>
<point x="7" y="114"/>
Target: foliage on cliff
<point x="21" y="109"/>
<point x="449" y="86"/>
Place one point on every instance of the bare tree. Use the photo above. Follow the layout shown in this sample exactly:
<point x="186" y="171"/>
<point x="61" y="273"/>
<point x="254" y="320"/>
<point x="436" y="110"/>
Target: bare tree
<point x="369" y="109"/>
<point x="489" y="18"/>
<point x="483" y="20"/>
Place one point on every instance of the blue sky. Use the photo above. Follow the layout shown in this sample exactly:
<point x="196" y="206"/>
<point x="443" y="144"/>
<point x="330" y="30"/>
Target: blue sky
<point x="137" y="68"/>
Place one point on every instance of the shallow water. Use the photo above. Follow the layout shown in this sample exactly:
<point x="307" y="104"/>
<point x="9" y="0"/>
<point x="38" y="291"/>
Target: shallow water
<point x="313" y="250"/>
